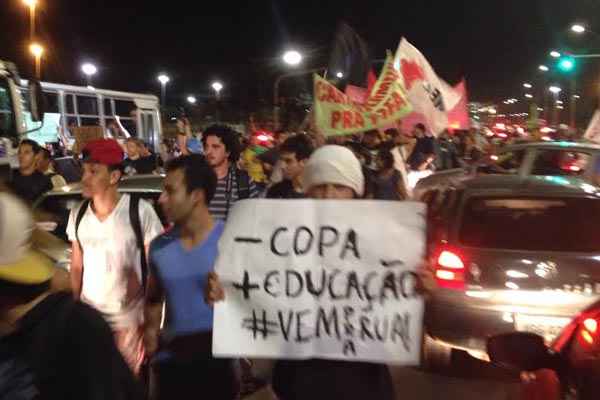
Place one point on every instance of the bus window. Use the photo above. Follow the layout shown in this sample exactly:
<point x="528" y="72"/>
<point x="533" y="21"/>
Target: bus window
<point x="123" y="108"/>
<point x="70" y="104"/>
<point x="86" y="121"/>
<point x="108" y="109"/>
<point x="130" y="125"/>
<point x="87" y="105"/>
<point x="52" y="102"/>
<point x="148" y="133"/>
<point x="72" y="121"/>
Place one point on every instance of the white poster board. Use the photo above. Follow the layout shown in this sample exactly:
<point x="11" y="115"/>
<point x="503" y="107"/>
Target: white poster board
<point x="321" y="279"/>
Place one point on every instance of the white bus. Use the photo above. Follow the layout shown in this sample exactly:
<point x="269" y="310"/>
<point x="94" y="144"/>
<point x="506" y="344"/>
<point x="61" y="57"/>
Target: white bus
<point x="136" y="114"/>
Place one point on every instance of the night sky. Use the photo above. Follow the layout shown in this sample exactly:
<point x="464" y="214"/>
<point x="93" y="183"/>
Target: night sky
<point x="495" y="44"/>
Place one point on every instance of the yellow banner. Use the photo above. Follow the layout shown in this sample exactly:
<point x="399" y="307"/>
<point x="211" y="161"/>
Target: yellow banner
<point x="336" y="114"/>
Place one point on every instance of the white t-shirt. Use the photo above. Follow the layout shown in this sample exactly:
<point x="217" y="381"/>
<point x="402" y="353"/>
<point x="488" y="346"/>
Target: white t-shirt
<point x="112" y="272"/>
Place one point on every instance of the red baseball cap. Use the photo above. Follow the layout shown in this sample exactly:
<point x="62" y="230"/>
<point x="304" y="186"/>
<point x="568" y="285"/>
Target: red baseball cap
<point x="103" y="151"/>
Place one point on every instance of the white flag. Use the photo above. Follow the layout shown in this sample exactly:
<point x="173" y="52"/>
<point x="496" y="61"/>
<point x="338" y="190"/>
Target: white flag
<point x="428" y="94"/>
<point x="593" y="130"/>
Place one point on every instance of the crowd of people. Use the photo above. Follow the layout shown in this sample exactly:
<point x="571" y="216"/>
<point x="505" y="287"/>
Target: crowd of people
<point x="141" y="295"/>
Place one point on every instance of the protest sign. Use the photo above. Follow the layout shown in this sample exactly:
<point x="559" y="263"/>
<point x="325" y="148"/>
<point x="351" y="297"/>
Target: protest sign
<point x="336" y="113"/>
<point x="85" y="134"/>
<point x="321" y="279"/>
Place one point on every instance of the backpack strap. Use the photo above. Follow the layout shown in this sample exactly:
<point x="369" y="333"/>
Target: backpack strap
<point x="134" y="217"/>
<point x="82" y="209"/>
<point x="243" y="184"/>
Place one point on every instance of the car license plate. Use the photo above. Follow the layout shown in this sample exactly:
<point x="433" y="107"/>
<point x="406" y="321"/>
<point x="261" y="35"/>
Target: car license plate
<point x="547" y="327"/>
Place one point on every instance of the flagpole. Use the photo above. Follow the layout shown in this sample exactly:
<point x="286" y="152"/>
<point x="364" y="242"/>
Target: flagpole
<point x="276" y="90"/>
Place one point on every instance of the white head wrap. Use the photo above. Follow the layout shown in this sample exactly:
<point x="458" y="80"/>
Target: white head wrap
<point x="335" y="165"/>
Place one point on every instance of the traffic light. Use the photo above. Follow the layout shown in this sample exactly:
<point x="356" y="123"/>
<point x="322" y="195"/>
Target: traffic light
<point x="566" y="64"/>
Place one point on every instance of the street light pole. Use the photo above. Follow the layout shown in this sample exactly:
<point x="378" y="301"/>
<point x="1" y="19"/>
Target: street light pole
<point x="163" y="79"/>
<point x="573" y="104"/>
<point x="38" y="67"/>
<point x="555" y="90"/>
<point x="32" y="21"/>
<point x="292" y="58"/>
<point x="217" y="87"/>
<point x="32" y="5"/>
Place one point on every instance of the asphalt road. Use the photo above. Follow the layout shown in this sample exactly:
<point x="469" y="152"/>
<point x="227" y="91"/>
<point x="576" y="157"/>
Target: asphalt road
<point x="467" y="379"/>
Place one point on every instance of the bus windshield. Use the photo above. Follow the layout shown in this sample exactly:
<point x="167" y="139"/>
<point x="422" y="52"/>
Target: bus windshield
<point x="7" y="115"/>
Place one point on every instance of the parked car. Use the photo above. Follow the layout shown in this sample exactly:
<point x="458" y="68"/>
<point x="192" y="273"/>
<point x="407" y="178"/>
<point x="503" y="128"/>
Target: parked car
<point x="508" y="253"/>
<point x="569" y="368"/>
<point x="54" y="207"/>
<point x="571" y="159"/>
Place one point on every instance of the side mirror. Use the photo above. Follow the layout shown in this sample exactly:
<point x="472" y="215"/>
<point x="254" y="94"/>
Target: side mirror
<point x="37" y="102"/>
<point x="520" y="350"/>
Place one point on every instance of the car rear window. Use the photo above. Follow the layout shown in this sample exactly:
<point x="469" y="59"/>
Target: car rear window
<point x="533" y="224"/>
<point x="560" y="162"/>
<point x="508" y="162"/>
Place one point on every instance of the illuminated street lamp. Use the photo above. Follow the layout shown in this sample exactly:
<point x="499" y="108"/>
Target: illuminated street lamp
<point x="527" y="85"/>
<point x="340" y="75"/>
<point x="543" y="68"/>
<point x="555" y="90"/>
<point x="217" y="87"/>
<point x="529" y="96"/>
<point x="89" y="70"/>
<point x="37" y="50"/>
<point x="191" y="99"/>
<point x="32" y="5"/>
<point x="163" y="79"/>
<point x="292" y="57"/>
<point x="554" y="54"/>
<point x="578" y="28"/>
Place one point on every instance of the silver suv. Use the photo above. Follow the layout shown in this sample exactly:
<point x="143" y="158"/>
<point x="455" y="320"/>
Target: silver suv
<point x="508" y="253"/>
<point x="569" y="159"/>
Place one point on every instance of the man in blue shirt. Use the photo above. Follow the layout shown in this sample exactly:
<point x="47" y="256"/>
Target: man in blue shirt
<point x="180" y="261"/>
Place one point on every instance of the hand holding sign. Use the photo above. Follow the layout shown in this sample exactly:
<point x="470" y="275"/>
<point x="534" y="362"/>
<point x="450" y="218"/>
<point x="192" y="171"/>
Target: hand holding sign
<point x="328" y="279"/>
<point x="214" y="290"/>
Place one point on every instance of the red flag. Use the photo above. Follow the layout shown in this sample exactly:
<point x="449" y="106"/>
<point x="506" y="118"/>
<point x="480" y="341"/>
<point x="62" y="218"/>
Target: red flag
<point x="359" y="94"/>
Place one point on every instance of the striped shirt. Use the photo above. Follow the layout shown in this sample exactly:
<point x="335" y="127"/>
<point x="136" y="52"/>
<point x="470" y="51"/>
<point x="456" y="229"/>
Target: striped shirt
<point x="219" y="207"/>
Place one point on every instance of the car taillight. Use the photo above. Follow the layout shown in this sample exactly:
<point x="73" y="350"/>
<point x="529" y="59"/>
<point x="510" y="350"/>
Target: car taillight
<point x="450" y="270"/>
<point x="589" y="330"/>
<point x="448" y="259"/>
